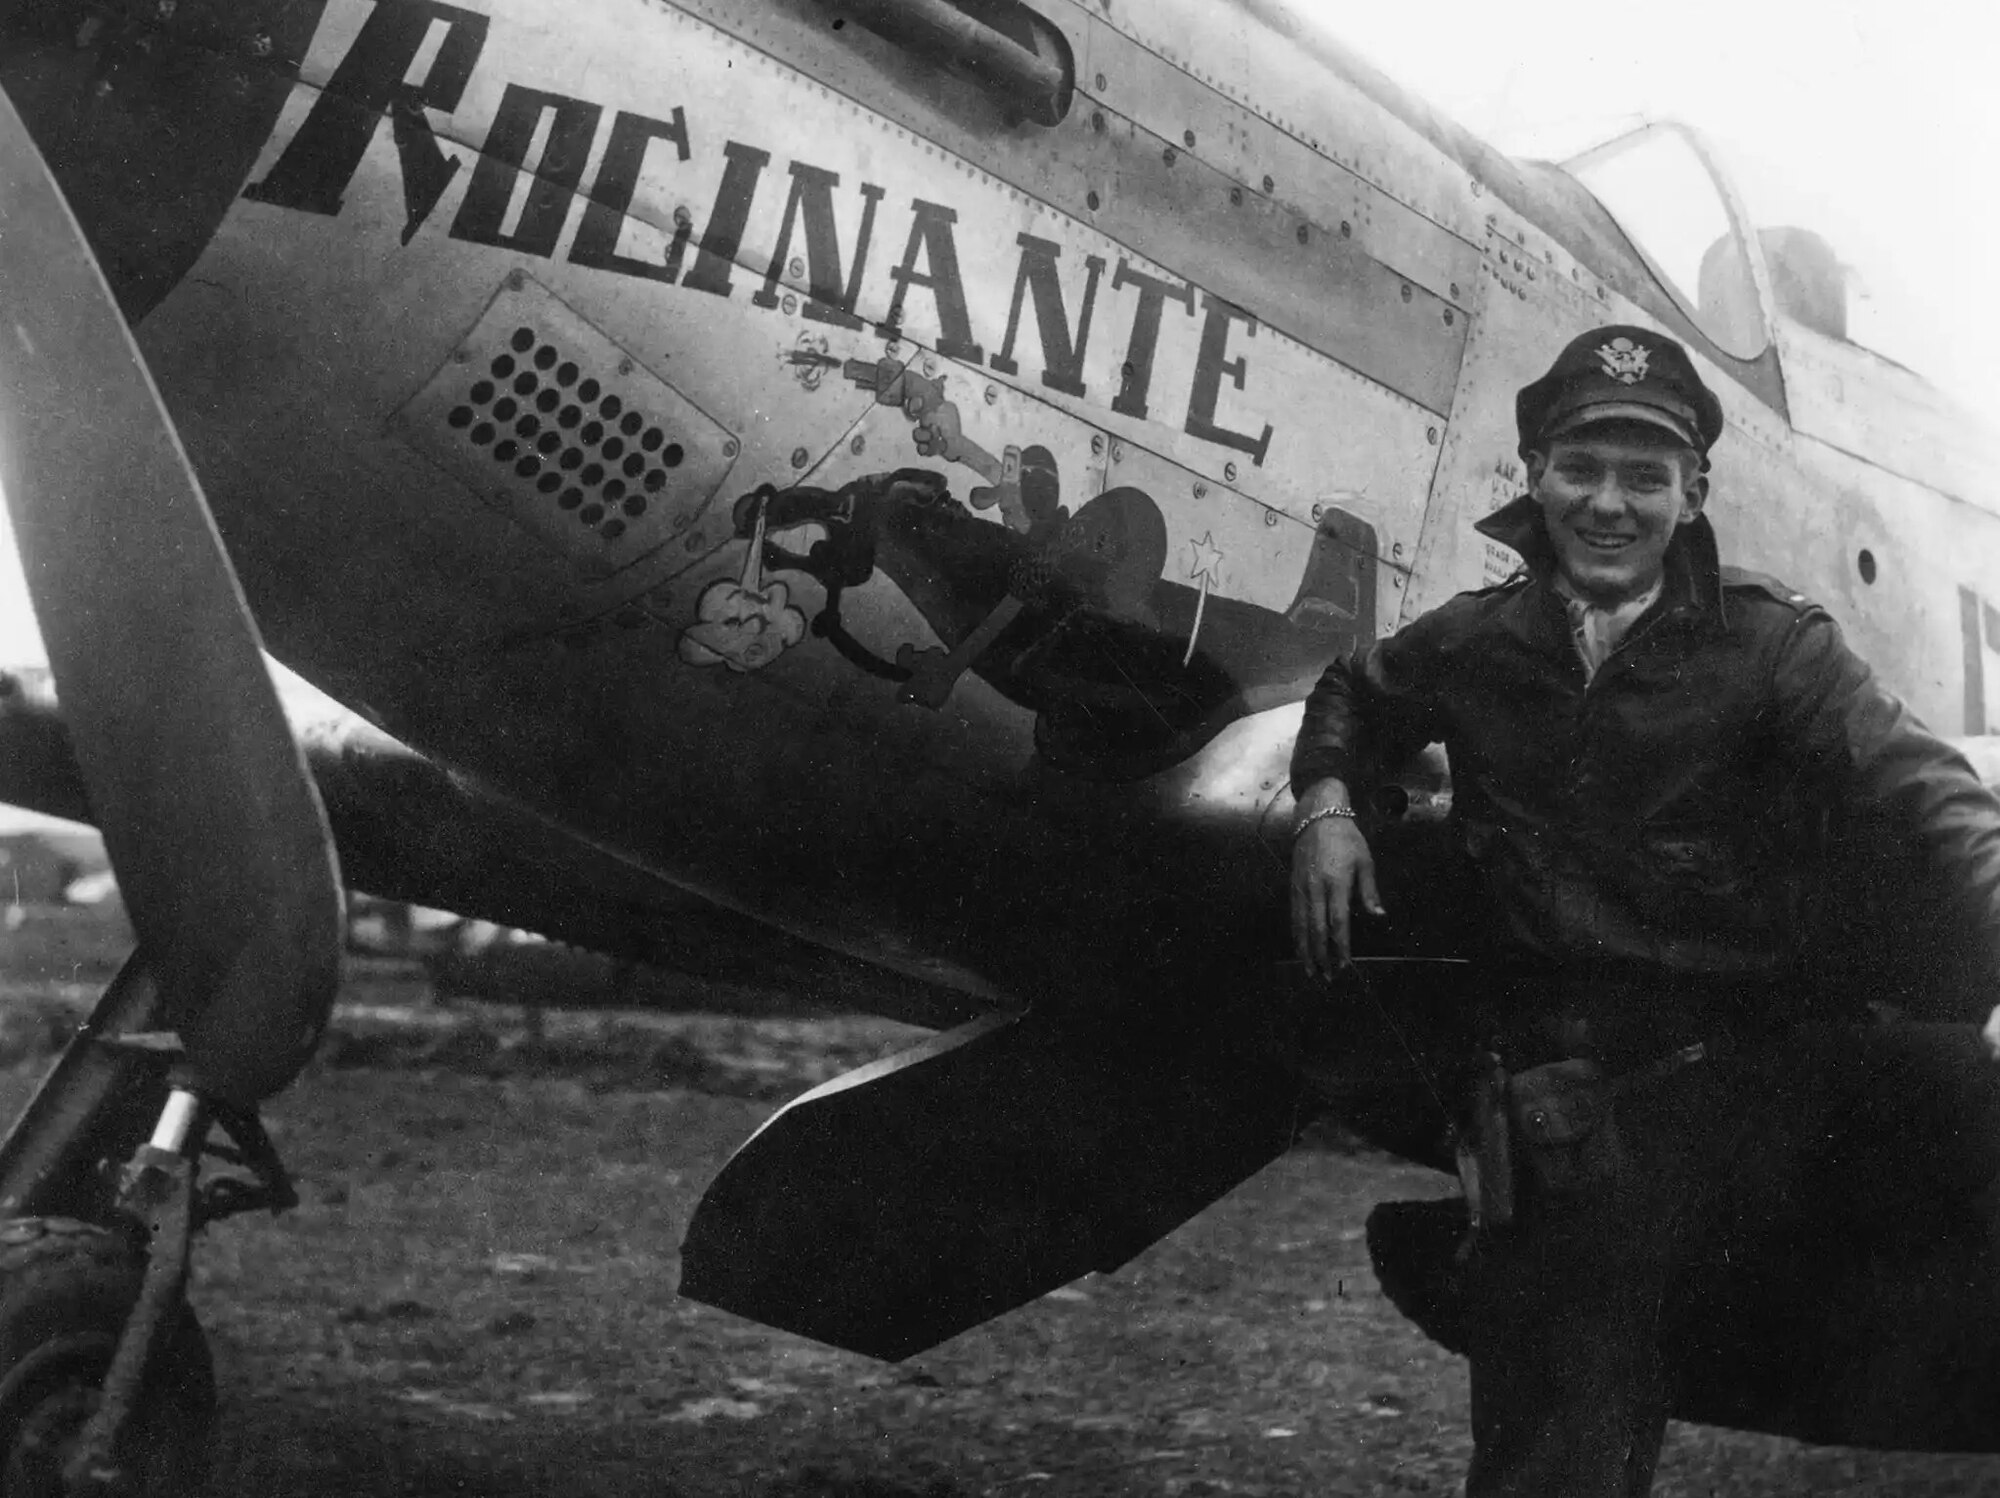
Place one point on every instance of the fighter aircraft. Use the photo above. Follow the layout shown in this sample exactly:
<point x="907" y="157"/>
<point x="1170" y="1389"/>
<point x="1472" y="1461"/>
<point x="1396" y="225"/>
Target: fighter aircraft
<point x="874" y="477"/>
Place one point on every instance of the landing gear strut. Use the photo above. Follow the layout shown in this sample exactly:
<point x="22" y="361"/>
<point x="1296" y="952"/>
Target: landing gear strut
<point x="67" y="1289"/>
<point x="105" y="1380"/>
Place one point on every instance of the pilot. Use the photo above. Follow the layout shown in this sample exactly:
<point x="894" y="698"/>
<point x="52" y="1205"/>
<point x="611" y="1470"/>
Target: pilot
<point x="1647" y="751"/>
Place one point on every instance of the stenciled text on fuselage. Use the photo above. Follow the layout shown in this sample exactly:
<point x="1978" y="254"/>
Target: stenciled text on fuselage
<point x="370" y="84"/>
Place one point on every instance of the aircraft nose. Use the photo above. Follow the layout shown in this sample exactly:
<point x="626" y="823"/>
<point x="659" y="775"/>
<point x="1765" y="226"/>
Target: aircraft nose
<point x="151" y="122"/>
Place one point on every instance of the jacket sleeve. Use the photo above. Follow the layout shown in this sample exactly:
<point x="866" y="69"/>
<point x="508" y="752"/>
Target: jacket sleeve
<point x="1837" y="717"/>
<point x="1374" y="708"/>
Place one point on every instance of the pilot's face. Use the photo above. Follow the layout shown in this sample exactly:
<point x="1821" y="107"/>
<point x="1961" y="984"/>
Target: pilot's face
<point x="1612" y="498"/>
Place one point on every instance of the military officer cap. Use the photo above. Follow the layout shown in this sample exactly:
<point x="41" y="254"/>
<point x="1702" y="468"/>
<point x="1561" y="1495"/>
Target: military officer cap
<point x="1619" y="374"/>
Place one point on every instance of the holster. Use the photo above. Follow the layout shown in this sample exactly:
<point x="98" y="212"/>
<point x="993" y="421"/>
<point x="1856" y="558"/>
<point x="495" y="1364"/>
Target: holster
<point x="1558" y="1117"/>
<point x="1562" y="1115"/>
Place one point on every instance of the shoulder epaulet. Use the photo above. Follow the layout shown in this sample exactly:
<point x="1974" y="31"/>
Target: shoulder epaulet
<point x="1739" y="579"/>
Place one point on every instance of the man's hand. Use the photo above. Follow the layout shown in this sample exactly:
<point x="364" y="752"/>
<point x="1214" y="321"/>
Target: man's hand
<point x="1331" y="863"/>
<point x="1991" y="1034"/>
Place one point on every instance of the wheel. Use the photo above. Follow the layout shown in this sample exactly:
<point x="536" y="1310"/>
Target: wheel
<point x="65" y="1290"/>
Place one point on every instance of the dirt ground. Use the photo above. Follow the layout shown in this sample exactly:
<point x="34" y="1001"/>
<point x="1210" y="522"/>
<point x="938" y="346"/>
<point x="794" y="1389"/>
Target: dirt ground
<point x="476" y="1297"/>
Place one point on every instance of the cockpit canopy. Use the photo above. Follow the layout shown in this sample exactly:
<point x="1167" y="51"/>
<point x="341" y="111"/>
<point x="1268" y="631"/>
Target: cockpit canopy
<point x="1808" y="282"/>
<point x="1661" y="185"/>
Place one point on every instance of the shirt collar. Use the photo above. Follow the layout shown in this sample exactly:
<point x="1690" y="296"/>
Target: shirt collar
<point x="1598" y="632"/>
<point x="1631" y="609"/>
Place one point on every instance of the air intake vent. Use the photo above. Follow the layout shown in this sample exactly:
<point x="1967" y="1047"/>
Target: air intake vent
<point x="560" y="429"/>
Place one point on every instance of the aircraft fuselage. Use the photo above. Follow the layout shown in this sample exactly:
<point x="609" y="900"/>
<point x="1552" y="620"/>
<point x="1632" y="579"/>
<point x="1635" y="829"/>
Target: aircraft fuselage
<point x="783" y="459"/>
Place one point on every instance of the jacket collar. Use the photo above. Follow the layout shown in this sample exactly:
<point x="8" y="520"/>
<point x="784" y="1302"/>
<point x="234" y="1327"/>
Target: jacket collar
<point x="1693" y="583"/>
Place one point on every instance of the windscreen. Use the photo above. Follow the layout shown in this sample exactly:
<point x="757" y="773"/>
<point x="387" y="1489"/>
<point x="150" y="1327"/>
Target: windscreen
<point x="1658" y="187"/>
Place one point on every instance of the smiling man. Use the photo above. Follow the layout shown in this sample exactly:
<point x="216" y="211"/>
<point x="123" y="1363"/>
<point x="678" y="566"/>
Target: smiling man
<point x="1647" y="751"/>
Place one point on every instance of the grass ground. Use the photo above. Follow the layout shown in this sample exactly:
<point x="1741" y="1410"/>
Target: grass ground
<point x="475" y="1297"/>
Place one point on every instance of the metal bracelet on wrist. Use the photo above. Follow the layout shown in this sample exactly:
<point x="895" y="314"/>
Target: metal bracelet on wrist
<point x="1320" y="816"/>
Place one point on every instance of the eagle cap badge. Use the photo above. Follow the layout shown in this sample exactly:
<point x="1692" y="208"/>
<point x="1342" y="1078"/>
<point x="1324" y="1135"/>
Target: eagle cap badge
<point x="1624" y="360"/>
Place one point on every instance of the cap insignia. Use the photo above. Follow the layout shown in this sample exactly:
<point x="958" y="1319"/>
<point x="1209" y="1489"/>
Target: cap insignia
<point x="1624" y="360"/>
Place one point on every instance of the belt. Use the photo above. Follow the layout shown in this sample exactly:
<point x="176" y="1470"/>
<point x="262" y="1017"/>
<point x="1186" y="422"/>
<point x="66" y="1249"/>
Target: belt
<point x="1485" y="1146"/>
<point x="1713" y="1049"/>
<point x="1627" y="1050"/>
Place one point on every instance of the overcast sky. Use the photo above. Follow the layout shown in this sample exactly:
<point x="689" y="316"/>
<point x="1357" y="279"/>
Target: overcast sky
<point x="1872" y="122"/>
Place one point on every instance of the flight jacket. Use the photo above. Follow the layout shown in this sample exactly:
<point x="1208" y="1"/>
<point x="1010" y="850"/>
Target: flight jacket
<point x="1671" y="813"/>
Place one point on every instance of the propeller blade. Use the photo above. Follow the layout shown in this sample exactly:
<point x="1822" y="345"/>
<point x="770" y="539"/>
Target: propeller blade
<point x="214" y="827"/>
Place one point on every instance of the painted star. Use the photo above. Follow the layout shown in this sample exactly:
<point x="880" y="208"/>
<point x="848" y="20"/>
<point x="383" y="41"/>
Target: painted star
<point x="1207" y="562"/>
<point x="1207" y="567"/>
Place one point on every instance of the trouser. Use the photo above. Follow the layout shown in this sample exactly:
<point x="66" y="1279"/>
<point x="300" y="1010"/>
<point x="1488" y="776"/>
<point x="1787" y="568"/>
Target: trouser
<point x="1588" y="1305"/>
